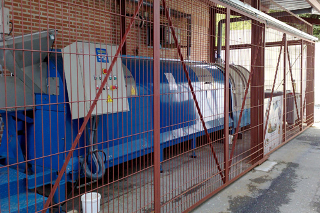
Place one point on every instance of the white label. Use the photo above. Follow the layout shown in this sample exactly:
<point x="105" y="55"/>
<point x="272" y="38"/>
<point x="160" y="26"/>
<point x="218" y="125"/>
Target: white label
<point x="172" y="82"/>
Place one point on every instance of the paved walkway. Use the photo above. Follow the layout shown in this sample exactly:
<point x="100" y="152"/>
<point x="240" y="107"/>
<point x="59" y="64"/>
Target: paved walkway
<point x="292" y="185"/>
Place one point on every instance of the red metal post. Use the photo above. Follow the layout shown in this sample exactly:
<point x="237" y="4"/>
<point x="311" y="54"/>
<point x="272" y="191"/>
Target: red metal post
<point x="94" y="103"/>
<point x="156" y="104"/>
<point x="226" y="97"/>
<point x="301" y="90"/>
<point x="274" y="83"/>
<point x="191" y="87"/>
<point x="257" y="88"/>
<point x="284" y="88"/>
<point x="310" y="84"/>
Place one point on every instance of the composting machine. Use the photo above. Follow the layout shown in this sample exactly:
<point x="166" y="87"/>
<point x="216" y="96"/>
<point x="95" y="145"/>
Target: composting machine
<point x="50" y="92"/>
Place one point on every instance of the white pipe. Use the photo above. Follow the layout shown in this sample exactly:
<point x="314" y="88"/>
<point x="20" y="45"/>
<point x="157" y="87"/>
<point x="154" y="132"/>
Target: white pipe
<point x="268" y="19"/>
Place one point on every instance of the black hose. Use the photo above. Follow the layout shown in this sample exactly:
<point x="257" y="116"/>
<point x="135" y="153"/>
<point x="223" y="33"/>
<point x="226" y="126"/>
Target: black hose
<point x="94" y="153"/>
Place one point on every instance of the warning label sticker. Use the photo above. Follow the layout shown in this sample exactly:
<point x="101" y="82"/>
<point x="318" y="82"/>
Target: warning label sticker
<point x="109" y="99"/>
<point x="133" y="91"/>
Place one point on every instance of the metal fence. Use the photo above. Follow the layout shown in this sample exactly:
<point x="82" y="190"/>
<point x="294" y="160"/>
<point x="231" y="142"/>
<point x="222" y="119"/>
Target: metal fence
<point x="154" y="105"/>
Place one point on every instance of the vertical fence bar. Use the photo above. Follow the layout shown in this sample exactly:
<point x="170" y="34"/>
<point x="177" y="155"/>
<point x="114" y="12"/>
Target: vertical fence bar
<point x="226" y="97"/>
<point x="284" y="87"/>
<point x="156" y="103"/>
<point x="123" y="24"/>
<point x="310" y="84"/>
<point x="301" y="89"/>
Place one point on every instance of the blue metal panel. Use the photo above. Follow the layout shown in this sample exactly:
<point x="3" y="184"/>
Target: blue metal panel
<point x="11" y="145"/>
<point x="53" y="131"/>
<point x="23" y="203"/>
<point x="16" y="181"/>
<point x="126" y="135"/>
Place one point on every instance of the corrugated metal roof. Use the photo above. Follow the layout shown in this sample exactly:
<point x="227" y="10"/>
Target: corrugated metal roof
<point x="287" y="4"/>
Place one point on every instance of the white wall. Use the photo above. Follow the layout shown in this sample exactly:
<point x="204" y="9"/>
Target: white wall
<point x="317" y="74"/>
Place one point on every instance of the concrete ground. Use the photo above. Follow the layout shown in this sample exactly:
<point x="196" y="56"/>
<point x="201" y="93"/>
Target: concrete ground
<point x="292" y="185"/>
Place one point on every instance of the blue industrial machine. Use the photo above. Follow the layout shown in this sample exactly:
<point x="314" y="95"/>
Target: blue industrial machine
<point x="36" y="139"/>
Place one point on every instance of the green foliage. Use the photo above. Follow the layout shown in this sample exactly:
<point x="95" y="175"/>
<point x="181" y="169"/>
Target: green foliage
<point x="241" y="25"/>
<point x="316" y="28"/>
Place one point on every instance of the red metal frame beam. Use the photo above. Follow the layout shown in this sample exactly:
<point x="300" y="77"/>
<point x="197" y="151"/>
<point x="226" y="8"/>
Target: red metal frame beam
<point x="191" y="87"/>
<point x="280" y="43"/>
<point x="286" y="16"/>
<point x="88" y="116"/>
<point x="293" y="87"/>
<point x="313" y="21"/>
<point x="268" y="44"/>
<point x="271" y="96"/>
<point x="156" y="104"/>
<point x="226" y="97"/>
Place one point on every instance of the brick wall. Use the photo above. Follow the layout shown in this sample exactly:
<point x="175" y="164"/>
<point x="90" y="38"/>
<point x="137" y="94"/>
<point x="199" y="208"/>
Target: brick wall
<point x="87" y="20"/>
<point x="199" y="30"/>
<point x="99" y="21"/>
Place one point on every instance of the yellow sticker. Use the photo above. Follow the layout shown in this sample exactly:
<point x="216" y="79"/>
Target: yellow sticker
<point x="133" y="91"/>
<point x="109" y="99"/>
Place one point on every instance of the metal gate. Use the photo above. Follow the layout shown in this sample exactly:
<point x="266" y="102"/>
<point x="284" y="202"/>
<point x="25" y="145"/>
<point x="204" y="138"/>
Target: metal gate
<point x="144" y="106"/>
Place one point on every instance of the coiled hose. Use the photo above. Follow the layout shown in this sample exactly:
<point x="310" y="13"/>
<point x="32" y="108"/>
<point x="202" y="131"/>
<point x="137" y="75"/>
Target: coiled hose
<point x="94" y="153"/>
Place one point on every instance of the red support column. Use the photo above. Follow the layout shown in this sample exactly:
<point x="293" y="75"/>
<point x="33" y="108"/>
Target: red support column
<point x="257" y="91"/>
<point x="301" y="90"/>
<point x="310" y="84"/>
<point x="156" y="104"/>
<point x="226" y="98"/>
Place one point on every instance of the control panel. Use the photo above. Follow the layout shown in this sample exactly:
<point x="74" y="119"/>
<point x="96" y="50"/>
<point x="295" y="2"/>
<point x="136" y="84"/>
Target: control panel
<point x="85" y="67"/>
